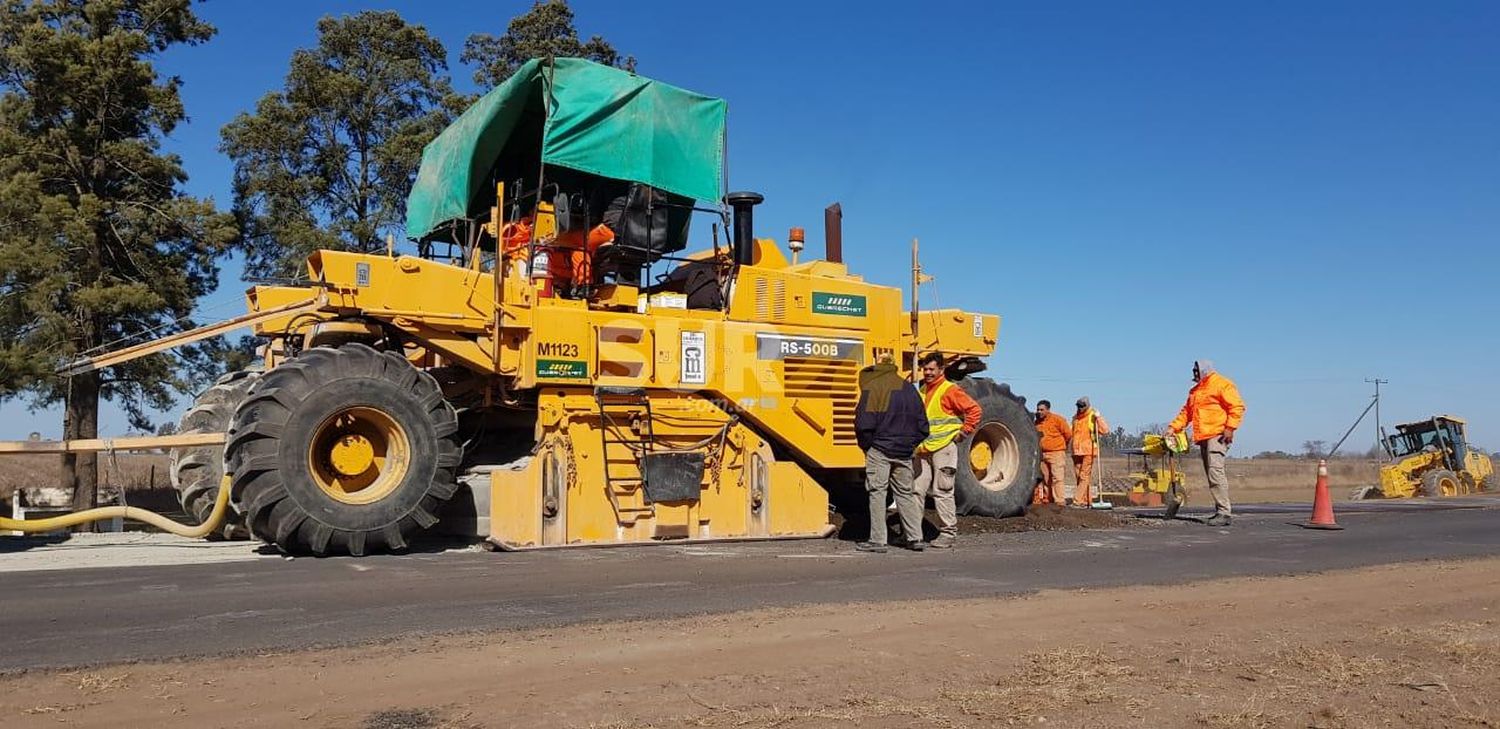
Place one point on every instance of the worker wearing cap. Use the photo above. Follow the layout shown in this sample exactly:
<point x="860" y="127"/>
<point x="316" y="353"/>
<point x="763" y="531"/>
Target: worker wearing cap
<point x="1087" y="425"/>
<point x="1053" y="432"/>
<point x="889" y="423"/>
<point x="951" y="415"/>
<point x="1214" y="409"/>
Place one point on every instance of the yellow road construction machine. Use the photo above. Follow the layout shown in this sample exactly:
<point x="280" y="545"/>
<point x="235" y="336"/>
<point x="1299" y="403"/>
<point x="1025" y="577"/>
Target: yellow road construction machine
<point x="552" y="369"/>
<point x="1432" y="457"/>
<point x="1155" y="480"/>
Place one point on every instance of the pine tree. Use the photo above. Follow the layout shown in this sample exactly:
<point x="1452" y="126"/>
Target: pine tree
<point x="98" y="243"/>
<point x="327" y="162"/>
<point x="545" y="31"/>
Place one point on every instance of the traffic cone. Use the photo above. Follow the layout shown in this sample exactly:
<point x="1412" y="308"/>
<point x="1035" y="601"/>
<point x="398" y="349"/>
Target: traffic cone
<point x="1322" y="516"/>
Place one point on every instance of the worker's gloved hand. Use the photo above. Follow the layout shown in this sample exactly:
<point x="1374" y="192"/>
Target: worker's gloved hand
<point x="1228" y="436"/>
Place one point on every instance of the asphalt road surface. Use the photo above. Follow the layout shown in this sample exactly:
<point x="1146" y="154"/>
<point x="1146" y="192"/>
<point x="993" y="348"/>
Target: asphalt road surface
<point x="70" y="617"/>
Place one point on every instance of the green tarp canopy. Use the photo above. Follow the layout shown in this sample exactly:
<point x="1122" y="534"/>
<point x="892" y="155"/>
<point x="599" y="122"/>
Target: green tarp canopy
<point x="576" y="114"/>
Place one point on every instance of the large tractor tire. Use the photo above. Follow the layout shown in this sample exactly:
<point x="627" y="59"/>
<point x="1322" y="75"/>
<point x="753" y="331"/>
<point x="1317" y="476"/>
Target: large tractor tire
<point x="998" y="466"/>
<point x="197" y="472"/>
<point x="1440" y="482"/>
<point x="343" y="451"/>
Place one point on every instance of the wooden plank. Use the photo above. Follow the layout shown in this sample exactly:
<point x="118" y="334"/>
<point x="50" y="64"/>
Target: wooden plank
<point x="95" y="445"/>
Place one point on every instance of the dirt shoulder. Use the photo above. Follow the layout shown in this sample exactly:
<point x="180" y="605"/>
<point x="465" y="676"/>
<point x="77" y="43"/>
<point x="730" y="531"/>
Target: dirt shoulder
<point x="1411" y="645"/>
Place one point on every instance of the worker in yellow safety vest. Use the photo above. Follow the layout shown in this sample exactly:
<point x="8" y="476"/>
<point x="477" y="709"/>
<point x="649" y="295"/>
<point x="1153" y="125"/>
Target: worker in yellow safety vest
<point x="1088" y="424"/>
<point x="951" y="415"/>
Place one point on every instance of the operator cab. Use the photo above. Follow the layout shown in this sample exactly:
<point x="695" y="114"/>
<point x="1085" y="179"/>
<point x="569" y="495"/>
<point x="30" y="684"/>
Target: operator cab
<point x="1438" y="434"/>
<point x="603" y="240"/>
<point x="582" y="179"/>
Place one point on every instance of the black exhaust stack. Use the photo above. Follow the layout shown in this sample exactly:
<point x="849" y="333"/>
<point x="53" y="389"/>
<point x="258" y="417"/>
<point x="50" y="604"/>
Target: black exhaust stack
<point x="744" y="224"/>
<point x="833" y="233"/>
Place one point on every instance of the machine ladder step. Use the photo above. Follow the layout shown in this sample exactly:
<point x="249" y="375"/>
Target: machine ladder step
<point x="619" y="408"/>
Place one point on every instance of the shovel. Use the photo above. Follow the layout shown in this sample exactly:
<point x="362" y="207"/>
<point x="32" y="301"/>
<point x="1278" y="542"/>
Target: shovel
<point x="1174" y="500"/>
<point x="1176" y="494"/>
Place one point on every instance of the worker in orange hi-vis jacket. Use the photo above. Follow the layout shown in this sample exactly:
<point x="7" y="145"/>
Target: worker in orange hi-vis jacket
<point x="571" y="262"/>
<point x="1214" y="409"/>
<point x="1088" y="424"/>
<point x="1053" y="432"/>
<point x="576" y="268"/>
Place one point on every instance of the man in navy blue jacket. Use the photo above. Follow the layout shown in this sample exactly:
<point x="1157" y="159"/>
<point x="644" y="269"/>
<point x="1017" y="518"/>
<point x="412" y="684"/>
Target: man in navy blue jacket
<point x="890" y="422"/>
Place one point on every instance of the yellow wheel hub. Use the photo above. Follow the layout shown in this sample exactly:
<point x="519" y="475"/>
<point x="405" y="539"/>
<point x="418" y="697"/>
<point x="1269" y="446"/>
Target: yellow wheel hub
<point x="352" y="455"/>
<point x="980" y="455"/>
<point x="994" y="456"/>
<point x="359" y="455"/>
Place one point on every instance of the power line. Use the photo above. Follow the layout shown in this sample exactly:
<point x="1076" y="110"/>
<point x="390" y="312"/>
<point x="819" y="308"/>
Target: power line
<point x="1173" y="382"/>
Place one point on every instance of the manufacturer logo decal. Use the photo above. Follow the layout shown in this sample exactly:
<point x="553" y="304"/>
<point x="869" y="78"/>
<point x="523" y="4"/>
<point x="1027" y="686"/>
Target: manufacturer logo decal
<point x="561" y="369"/>
<point x="694" y="359"/>
<point x="840" y="304"/>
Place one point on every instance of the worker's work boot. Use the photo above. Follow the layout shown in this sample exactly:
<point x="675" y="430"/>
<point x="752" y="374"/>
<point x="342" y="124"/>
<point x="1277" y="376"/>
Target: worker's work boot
<point x="914" y="545"/>
<point x="1218" y="520"/>
<point x="942" y="542"/>
<point x="870" y="547"/>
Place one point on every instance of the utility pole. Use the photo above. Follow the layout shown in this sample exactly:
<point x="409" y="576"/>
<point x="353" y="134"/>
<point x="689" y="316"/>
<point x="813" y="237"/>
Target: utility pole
<point x="1379" y="441"/>
<point x="917" y="279"/>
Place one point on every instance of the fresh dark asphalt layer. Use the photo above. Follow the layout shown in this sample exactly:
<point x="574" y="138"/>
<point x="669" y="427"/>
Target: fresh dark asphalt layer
<point x="91" y="616"/>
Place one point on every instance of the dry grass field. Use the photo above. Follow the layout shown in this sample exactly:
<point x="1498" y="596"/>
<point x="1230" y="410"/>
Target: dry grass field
<point x="1261" y="480"/>
<point x="134" y="473"/>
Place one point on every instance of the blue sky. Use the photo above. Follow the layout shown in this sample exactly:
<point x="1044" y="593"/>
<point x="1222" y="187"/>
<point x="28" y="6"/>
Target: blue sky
<point x="1307" y="193"/>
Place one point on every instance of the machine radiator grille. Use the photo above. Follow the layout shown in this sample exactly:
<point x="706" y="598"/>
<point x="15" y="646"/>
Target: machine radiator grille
<point x="770" y="299"/>
<point x="834" y="380"/>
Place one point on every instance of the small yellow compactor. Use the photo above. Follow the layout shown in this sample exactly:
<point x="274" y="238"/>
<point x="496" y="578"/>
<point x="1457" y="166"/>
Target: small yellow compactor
<point x="640" y="393"/>
<point x="1155" y="480"/>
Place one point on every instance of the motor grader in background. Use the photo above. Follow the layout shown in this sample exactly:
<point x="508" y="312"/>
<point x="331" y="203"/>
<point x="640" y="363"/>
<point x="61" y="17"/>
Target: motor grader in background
<point x="659" y="397"/>
<point x="1431" y="457"/>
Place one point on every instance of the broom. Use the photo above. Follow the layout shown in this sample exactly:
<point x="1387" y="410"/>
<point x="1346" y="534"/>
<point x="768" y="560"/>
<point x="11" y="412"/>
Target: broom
<point x="1097" y="476"/>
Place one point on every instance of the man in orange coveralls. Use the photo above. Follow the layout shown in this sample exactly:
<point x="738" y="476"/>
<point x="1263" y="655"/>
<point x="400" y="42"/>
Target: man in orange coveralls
<point x="570" y="258"/>
<point x="1054" y="433"/>
<point x="1214" y="409"/>
<point x="571" y="261"/>
<point x="1087" y="425"/>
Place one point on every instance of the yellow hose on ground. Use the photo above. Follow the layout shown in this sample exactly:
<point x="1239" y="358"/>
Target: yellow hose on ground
<point x="134" y="513"/>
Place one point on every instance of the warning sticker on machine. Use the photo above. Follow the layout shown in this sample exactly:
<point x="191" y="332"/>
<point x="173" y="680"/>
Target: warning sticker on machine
<point x="782" y="346"/>
<point x="841" y="304"/>
<point x="561" y="369"/>
<point x="694" y="359"/>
